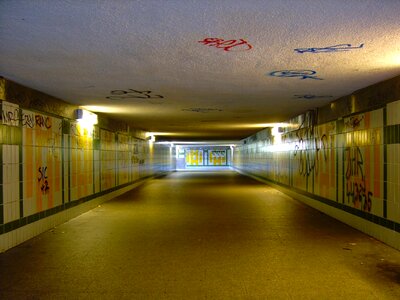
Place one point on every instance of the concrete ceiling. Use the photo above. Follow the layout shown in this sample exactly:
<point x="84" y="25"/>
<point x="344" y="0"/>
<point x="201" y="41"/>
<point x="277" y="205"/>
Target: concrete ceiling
<point x="200" y="68"/>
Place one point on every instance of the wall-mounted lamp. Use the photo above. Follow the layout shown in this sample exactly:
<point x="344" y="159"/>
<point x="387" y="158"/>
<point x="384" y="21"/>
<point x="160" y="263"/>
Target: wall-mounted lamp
<point x="86" y="121"/>
<point x="86" y="116"/>
<point x="151" y="138"/>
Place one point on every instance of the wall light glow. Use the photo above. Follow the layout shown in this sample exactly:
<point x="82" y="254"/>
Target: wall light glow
<point x="276" y="134"/>
<point x="86" y="116"/>
<point x="86" y="121"/>
<point x="396" y="59"/>
<point x="104" y="109"/>
<point x="263" y="125"/>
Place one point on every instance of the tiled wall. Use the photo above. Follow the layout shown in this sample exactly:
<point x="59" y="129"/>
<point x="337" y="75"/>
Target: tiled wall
<point x="351" y="164"/>
<point x="51" y="164"/>
<point x="392" y="161"/>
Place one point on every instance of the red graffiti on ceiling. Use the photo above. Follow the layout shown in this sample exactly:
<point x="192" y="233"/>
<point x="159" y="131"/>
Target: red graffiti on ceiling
<point x="241" y="44"/>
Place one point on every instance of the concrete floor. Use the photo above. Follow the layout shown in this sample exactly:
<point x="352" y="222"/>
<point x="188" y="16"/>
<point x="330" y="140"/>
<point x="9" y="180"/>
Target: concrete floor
<point x="201" y="235"/>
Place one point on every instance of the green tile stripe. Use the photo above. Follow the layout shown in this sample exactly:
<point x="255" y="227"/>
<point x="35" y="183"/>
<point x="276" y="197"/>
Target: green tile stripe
<point x="392" y="225"/>
<point x="18" y="141"/>
<point x="391" y="133"/>
<point x="1" y="179"/>
<point x="116" y="158"/>
<point x="385" y="171"/>
<point x="69" y="161"/>
<point x="21" y="183"/>
<point x="343" y="176"/>
<point x="10" y="226"/>
<point x="337" y="167"/>
<point x="63" y="122"/>
<point x="11" y="135"/>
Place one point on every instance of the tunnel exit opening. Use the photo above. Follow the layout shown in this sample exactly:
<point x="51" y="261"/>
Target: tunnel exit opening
<point x="203" y="157"/>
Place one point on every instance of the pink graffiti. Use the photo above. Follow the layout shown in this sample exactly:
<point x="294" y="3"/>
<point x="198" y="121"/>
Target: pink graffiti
<point x="227" y="45"/>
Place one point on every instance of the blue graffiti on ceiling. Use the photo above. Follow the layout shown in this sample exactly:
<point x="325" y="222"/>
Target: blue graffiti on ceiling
<point x="303" y="74"/>
<point x="335" y="48"/>
<point x="202" y="110"/>
<point x="132" y="94"/>
<point x="310" y="96"/>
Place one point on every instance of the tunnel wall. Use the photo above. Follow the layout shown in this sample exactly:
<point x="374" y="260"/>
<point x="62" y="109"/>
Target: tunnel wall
<point x="54" y="167"/>
<point x="347" y="165"/>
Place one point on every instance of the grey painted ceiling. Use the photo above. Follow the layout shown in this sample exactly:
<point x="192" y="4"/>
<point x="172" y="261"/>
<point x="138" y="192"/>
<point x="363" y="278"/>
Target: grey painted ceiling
<point x="200" y="68"/>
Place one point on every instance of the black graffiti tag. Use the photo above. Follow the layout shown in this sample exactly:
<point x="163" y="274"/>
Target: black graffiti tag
<point x="42" y="121"/>
<point x="356" y="189"/>
<point x="132" y="94"/>
<point x="354" y="122"/>
<point x="28" y="121"/>
<point x="42" y="179"/>
<point x="310" y="147"/>
<point x="10" y="116"/>
<point x="308" y="153"/>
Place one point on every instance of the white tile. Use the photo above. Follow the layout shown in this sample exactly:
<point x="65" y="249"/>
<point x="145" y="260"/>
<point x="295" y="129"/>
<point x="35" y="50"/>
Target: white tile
<point x="7" y="212"/>
<point x="377" y="118"/>
<point x="6" y="192"/>
<point x="13" y="153"/>
<point x="2" y="243"/>
<point x="7" y="240"/>
<point x="17" y="190"/>
<point x="9" y="154"/>
<point x="5" y="173"/>
<point x="10" y="212"/>
<point x="16" y="173"/>
<point x="17" y="154"/>
<point x="395" y="151"/>
<point x="393" y="114"/>
<point x="14" y="211"/>
<point x="13" y="194"/>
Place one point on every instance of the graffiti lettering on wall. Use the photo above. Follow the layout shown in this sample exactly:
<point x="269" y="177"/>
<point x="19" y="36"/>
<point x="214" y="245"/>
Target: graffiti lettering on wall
<point x="302" y="74"/>
<point x="354" y="122"/>
<point x="42" y="179"/>
<point x="310" y="149"/>
<point x="28" y="120"/>
<point x="43" y="121"/>
<point x="218" y="153"/>
<point x="307" y="96"/>
<point x="335" y="48"/>
<point x="31" y="120"/>
<point x="132" y="94"/>
<point x="75" y="129"/>
<point x="10" y="115"/>
<point x="356" y="188"/>
<point x="228" y="45"/>
<point x="136" y="160"/>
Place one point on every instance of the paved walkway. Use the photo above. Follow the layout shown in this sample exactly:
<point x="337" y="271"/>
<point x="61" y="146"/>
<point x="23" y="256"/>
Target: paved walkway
<point x="201" y="235"/>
